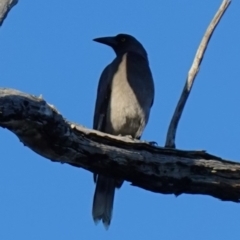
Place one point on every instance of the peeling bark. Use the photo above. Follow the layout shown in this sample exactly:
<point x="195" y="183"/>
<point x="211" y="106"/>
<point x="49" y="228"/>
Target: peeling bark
<point x="43" y="129"/>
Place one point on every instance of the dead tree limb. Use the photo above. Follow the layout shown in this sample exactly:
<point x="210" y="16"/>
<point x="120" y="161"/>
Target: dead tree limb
<point x="42" y="128"/>
<point x="172" y="129"/>
<point x="5" y="7"/>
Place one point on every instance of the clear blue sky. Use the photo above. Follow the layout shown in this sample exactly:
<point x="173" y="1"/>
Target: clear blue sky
<point x="46" y="48"/>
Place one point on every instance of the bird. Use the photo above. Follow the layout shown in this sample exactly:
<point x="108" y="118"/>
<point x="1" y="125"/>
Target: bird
<point x="125" y="95"/>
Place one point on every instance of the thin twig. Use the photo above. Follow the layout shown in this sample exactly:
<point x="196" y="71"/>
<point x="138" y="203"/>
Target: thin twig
<point x="171" y="134"/>
<point x="5" y="7"/>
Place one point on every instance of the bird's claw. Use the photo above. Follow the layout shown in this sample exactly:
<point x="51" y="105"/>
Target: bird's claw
<point x="153" y="143"/>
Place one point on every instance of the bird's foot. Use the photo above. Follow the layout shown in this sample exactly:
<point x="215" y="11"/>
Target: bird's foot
<point x="153" y="143"/>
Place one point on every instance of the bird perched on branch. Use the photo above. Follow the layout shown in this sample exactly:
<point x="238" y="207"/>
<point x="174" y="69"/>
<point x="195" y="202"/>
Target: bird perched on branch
<point x="124" y="98"/>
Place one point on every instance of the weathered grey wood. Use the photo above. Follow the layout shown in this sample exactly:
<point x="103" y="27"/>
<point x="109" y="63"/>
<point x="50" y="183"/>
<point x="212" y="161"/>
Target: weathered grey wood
<point x="172" y="129"/>
<point x="42" y="128"/>
<point x="5" y="7"/>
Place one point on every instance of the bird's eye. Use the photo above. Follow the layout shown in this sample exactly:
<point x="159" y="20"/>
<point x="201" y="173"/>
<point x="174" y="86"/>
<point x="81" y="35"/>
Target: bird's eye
<point x="123" y="39"/>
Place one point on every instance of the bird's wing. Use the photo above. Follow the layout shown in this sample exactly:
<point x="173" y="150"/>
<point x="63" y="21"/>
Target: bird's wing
<point x="138" y="67"/>
<point x="102" y="101"/>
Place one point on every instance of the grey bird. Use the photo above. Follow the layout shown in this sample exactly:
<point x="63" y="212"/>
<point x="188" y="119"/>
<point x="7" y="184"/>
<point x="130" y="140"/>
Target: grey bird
<point x="124" y="98"/>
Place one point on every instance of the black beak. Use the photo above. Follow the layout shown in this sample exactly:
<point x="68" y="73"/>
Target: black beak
<point x="110" y="41"/>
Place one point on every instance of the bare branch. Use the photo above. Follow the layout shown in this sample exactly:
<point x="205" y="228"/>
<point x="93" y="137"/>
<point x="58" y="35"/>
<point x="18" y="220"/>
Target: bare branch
<point x="42" y="128"/>
<point x="5" y="7"/>
<point x="171" y="134"/>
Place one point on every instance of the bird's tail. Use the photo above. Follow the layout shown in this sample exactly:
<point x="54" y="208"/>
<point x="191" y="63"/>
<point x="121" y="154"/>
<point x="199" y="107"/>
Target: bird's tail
<point x="103" y="200"/>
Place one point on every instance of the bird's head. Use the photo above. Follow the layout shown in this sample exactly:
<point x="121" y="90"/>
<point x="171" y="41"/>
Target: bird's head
<point x="123" y="43"/>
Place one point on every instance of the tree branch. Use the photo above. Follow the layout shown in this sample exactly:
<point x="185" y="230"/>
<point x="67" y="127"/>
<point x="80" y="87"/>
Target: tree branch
<point x="42" y="128"/>
<point x="172" y="129"/>
<point x="5" y="7"/>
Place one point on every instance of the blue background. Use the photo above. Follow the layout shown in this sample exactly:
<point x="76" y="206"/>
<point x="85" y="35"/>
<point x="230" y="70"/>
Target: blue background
<point x="46" y="48"/>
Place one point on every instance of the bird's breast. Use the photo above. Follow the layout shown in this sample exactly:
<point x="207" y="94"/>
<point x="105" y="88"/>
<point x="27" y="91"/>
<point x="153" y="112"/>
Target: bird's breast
<point x="126" y="115"/>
